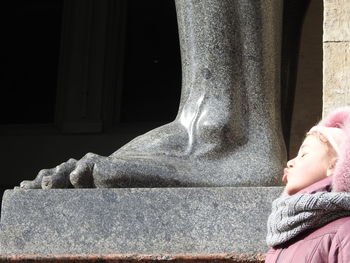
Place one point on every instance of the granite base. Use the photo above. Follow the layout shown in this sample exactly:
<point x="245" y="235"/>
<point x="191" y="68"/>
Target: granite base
<point x="149" y="221"/>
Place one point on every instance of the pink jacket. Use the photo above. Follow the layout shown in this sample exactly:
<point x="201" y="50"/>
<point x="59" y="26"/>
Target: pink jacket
<point x="330" y="243"/>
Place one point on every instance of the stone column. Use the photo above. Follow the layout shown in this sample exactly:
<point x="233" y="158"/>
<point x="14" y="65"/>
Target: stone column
<point x="336" y="54"/>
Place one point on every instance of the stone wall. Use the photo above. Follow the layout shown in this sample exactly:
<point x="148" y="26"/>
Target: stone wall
<point x="336" y="54"/>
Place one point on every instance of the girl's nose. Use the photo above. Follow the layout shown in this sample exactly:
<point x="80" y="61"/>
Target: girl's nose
<point x="290" y="163"/>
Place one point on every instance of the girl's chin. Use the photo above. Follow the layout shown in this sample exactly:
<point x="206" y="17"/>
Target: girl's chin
<point x="289" y="190"/>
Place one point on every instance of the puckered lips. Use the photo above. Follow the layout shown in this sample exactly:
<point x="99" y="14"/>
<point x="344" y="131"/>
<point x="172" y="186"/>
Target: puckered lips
<point x="285" y="174"/>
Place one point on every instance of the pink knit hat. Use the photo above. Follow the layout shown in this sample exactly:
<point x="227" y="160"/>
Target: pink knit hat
<point x="336" y="128"/>
<point x="334" y="136"/>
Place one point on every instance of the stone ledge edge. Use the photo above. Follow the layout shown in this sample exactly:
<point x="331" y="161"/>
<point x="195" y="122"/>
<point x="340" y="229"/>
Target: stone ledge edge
<point x="216" y="258"/>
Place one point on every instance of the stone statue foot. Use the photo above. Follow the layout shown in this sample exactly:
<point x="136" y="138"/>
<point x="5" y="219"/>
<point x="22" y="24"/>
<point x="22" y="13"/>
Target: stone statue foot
<point x="57" y="177"/>
<point x="137" y="171"/>
<point x="168" y="157"/>
<point x="207" y="155"/>
<point x="227" y="131"/>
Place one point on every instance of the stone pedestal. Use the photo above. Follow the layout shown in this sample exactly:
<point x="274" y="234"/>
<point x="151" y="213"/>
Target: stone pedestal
<point x="144" y="221"/>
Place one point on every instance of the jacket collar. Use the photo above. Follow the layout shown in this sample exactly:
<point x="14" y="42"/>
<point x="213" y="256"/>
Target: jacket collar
<point x="320" y="186"/>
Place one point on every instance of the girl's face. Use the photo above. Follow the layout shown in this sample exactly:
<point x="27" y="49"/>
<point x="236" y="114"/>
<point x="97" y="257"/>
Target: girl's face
<point x="313" y="163"/>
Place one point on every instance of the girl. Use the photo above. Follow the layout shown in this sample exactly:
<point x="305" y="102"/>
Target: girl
<point x="310" y="222"/>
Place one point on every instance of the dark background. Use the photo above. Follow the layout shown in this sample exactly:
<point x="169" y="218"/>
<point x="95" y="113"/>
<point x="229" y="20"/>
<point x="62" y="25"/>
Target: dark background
<point x="30" y="51"/>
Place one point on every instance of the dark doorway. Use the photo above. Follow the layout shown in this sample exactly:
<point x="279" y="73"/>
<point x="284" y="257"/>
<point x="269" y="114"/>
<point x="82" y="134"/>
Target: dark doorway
<point x="29" y="60"/>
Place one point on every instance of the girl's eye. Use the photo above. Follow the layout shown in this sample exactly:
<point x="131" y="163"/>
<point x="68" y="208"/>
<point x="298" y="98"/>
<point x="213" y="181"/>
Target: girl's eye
<point x="303" y="154"/>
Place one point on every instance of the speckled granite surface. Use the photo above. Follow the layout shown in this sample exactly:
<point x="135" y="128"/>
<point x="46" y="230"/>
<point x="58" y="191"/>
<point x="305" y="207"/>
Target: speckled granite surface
<point x="219" y="258"/>
<point x="136" y="221"/>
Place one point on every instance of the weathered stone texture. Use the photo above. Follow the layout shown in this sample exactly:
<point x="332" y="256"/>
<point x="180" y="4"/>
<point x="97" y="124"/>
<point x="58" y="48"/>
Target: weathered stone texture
<point x="336" y="75"/>
<point x="336" y="24"/>
<point x="336" y="54"/>
<point x="151" y="221"/>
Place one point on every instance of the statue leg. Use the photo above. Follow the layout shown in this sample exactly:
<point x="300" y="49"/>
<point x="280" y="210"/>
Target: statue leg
<point x="227" y="131"/>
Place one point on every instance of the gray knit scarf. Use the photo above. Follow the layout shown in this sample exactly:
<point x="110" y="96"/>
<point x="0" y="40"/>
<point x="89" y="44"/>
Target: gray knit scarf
<point x="292" y="215"/>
